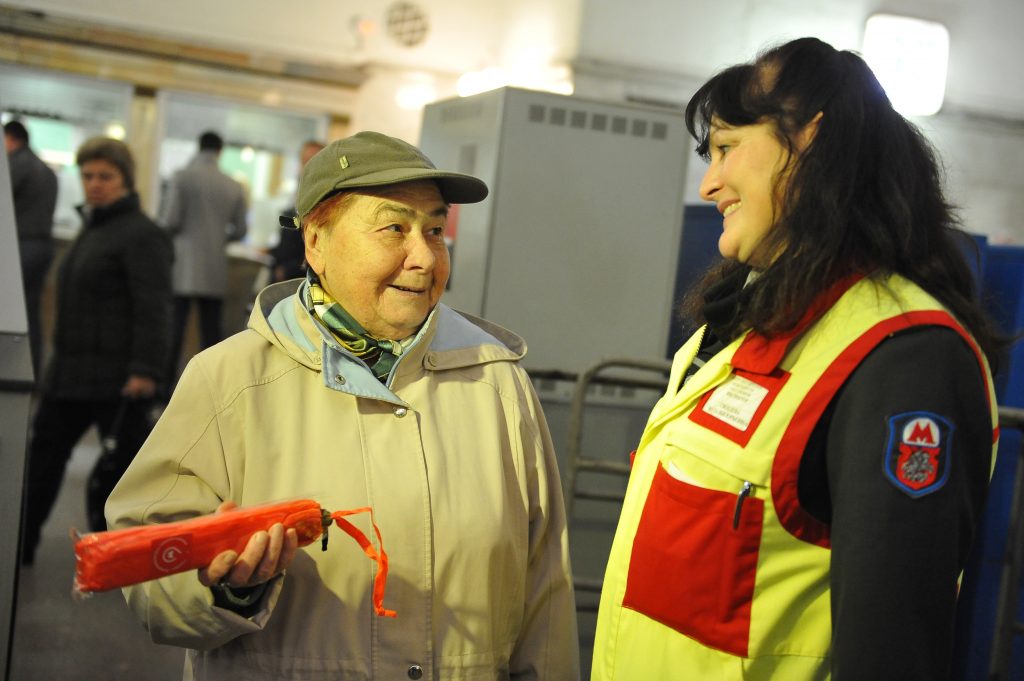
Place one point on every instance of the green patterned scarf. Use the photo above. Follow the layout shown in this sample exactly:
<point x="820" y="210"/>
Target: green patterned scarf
<point x="379" y="354"/>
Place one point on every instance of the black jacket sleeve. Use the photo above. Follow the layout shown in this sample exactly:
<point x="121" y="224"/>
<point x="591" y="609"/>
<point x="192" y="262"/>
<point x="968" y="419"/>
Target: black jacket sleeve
<point x="896" y="559"/>
<point x="289" y="254"/>
<point x="147" y="257"/>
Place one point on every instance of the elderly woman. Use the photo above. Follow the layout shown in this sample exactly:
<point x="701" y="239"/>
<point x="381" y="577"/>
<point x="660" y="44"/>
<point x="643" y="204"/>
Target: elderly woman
<point x="110" y="338"/>
<point x="357" y="387"/>
<point x="804" y="497"/>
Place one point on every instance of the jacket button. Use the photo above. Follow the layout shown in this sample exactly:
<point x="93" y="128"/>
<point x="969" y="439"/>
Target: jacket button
<point x="400" y="412"/>
<point x="340" y="379"/>
<point x="415" y="672"/>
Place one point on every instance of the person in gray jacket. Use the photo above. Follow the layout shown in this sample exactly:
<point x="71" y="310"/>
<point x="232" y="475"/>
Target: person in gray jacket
<point x="203" y="210"/>
<point x="34" y="190"/>
<point x="356" y="387"/>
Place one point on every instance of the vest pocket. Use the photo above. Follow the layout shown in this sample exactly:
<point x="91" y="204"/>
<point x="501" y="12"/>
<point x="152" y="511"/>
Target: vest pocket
<point x="694" y="561"/>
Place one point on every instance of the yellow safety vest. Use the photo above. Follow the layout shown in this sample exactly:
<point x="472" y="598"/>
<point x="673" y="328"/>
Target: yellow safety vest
<point x="716" y="572"/>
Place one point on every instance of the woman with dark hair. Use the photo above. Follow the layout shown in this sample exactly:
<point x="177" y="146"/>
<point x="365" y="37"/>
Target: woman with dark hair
<point x="804" y="497"/>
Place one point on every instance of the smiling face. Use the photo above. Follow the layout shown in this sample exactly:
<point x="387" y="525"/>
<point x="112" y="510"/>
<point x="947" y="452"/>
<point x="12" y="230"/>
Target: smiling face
<point x="102" y="182"/>
<point x="743" y="181"/>
<point x="384" y="258"/>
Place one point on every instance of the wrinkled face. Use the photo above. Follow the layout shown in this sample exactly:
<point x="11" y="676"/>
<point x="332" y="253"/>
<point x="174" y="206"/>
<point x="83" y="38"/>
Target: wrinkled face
<point x="743" y="181"/>
<point x="102" y="182"/>
<point x="385" y="258"/>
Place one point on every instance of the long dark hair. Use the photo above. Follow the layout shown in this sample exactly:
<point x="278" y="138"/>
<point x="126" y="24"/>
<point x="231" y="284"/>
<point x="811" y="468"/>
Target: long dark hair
<point x="865" y="198"/>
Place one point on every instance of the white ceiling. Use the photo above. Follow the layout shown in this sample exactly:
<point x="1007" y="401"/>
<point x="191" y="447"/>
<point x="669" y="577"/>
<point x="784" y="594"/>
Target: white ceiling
<point x="689" y="38"/>
<point x="640" y="50"/>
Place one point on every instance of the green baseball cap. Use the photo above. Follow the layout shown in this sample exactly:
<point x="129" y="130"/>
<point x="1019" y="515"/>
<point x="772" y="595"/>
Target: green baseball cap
<point x="371" y="159"/>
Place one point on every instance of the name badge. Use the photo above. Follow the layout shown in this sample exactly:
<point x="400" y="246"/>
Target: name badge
<point x="736" y="402"/>
<point x="735" y="408"/>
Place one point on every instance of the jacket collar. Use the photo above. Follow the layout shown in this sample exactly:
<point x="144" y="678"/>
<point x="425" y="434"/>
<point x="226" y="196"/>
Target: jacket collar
<point x="129" y="203"/>
<point x="762" y="355"/>
<point x="205" y="158"/>
<point x="752" y="352"/>
<point x="23" y="150"/>
<point x="447" y="340"/>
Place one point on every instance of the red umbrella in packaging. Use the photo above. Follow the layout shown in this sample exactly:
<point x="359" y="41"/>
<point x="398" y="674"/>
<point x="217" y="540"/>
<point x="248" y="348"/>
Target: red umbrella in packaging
<point x="118" y="558"/>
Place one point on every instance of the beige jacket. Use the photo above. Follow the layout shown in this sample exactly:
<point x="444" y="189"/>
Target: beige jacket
<point x="456" y="461"/>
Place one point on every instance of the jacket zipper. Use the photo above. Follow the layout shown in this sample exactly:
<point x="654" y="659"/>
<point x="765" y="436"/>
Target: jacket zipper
<point x="744" y="493"/>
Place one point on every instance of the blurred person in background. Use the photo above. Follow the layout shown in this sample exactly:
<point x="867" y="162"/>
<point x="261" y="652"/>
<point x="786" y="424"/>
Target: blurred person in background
<point x="289" y="254"/>
<point x="204" y="209"/>
<point x="34" y="190"/>
<point x="110" y="341"/>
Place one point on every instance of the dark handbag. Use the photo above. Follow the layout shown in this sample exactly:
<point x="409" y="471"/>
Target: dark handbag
<point x="132" y="423"/>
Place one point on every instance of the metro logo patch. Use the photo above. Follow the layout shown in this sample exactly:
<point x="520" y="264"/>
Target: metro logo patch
<point x="917" y="452"/>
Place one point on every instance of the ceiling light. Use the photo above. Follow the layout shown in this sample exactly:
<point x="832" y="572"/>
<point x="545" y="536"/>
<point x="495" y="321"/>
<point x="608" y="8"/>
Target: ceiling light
<point x="415" y="96"/>
<point x="910" y="58"/>
<point x="116" y="131"/>
<point x="475" y="82"/>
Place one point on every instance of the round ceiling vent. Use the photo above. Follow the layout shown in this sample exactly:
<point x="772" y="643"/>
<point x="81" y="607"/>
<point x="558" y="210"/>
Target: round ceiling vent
<point x="407" y="23"/>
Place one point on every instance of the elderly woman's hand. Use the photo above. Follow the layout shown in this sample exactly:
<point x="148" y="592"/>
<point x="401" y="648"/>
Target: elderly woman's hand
<point x="265" y="556"/>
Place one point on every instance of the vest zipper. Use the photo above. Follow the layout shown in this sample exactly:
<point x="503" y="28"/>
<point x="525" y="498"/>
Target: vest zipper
<point x="696" y="364"/>
<point x="744" y="493"/>
<point x="697" y="361"/>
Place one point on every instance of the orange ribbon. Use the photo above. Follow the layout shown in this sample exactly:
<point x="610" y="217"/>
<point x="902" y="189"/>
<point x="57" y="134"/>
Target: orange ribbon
<point x="381" y="558"/>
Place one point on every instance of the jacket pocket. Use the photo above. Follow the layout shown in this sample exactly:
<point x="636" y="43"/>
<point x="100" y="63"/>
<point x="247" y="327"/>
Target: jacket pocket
<point x="694" y="561"/>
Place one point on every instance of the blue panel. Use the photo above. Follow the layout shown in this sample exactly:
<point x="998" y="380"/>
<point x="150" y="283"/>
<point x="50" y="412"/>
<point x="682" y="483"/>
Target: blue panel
<point x="698" y="249"/>
<point x="975" y="252"/>
<point x="1002" y="269"/>
<point x="1004" y="295"/>
<point x="979" y="598"/>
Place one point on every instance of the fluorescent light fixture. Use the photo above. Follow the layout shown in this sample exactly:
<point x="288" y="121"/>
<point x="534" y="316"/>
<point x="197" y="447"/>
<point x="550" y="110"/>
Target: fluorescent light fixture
<point x="475" y="82"/>
<point x="58" y="158"/>
<point x="909" y="57"/>
<point x="557" y="79"/>
<point x="416" y="95"/>
<point x="115" y="130"/>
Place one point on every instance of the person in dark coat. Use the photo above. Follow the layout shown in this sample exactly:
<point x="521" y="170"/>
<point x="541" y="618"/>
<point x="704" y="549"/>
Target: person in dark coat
<point x="111" y="338"/>
<point x="34" y="190"/>
<point x="289" y="254"/>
